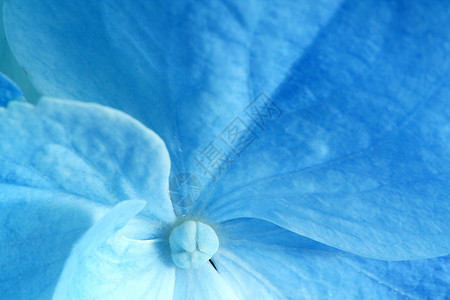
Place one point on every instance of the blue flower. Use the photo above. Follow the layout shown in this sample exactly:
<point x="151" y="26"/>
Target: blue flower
<point x="312" y="136"/>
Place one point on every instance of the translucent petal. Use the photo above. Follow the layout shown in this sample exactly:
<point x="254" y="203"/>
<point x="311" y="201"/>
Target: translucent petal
<point x="8" y="91"/>
<point x="185" y="69"/>
<point x="203" y="283"/>
<point x="359" y="158"/>
<point x="37" y="231"/>
<point x="86" y="150"/>
<point x="262" y="261"/>
<point x="62" y="163"/>
<point x="106" y="265"/>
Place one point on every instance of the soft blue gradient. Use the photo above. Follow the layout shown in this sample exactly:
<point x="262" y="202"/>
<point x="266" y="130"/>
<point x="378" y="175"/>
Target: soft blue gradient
<point x="10" y="67"/>
<point x="185" y="70"/>
<point x="355" y="167"/>
<point x="63" y="163"/>
<point x="38" y="229"/>
<point x="311" y="270"/>
<point x="104" y="265"/>
<point x="43" y="218"/>
<point x="9" y="91"/>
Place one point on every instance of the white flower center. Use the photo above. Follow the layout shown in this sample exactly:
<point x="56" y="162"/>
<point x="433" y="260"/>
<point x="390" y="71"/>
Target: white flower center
<point x="192" y="244"/>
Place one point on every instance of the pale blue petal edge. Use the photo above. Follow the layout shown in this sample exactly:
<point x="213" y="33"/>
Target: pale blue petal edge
<point x="262" y="261"/>
<point x="87" y="150"/>
<point x="9" y="91"/>
<point x="203" y="283"/>
<point x="37" y="231"/>
<point x="185" y="70"/>
<point x="358" y="158"/>
<point x="63" y="163"/>
<point x="10" y="66"/>
<point x="106" y="265"/>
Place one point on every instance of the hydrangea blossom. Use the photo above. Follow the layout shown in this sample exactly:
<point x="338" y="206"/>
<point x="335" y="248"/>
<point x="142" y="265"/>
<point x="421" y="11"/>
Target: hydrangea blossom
<point x="339" y="182"/>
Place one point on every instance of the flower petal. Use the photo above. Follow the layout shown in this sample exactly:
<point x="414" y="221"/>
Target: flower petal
<point x="277" y="264"/>
<point x="86" y="150"/>
<point x="352" y="101"/>
<point x="203" y="283"/>
<point x="389" y="201"/>
<point x="62" y="163"/>
<point x="8" y="91"/>
<point x="359" y="158"/>
<point x="10" y="67"/>
<point x="185" y="70"/>
<point x="37" y="231"/>
<point x="106" y="265"/>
